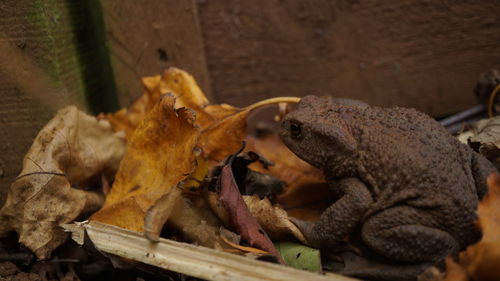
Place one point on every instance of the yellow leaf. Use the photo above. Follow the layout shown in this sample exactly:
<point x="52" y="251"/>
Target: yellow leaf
<point x="194" y="180"/>
<point x="225" y="136"/>
<point x="223" y="126"/>
<point x="159" y="156"/>
<point x="183" y="85"/>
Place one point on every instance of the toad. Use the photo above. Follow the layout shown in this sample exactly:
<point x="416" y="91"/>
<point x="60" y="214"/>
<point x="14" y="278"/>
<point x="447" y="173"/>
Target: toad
<point x="403" y="182"/>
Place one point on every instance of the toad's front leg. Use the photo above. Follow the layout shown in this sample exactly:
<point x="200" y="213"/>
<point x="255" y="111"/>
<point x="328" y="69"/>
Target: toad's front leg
<point x="340" y="218"/>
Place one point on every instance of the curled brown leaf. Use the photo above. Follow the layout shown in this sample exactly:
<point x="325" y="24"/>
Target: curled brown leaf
<point x="72" y="150"/>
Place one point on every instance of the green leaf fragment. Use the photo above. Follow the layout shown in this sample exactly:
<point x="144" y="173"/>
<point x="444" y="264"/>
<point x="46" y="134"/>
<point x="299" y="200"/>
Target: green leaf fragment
<point x="300" y="256"/>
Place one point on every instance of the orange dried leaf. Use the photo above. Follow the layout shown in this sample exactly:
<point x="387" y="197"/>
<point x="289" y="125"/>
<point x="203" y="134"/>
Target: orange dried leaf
<point x="454" y="272"/>
<point x="183" y="85"/>
<point x="160" y="155"/>
<point x="287" y="166"/>
<point x="225" y="136"/>
<point x="482" y="259"/>
<point x="220" y="124"/>
<point x="244" y="248"/>
<point x="300" y="178"/>
<point x="173" y="81"/>
<point x="127" y="119"/>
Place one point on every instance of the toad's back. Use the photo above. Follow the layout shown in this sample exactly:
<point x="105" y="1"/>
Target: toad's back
<point x="408" y="158"/>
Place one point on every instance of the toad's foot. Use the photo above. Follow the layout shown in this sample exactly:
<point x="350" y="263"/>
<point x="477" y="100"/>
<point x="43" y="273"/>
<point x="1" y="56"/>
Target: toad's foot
<point x="359" y="267"/>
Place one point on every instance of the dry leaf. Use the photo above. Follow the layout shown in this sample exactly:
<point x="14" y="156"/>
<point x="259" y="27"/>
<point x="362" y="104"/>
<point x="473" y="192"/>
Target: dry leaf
<point x="174" y="81"/>
<point x="300" y="178"/>
<point x="159" y="156"/>
<point x="454" y="271"/>
<point x="272" y="218"/>
<point x="220" y="124"/>
<point x="127" y="119"/>
<point x="73" y="149"/>
<point x="482" y="259"/>
<point x="230" y="129"/>
<point x="196" y="221"/>
<point x="486" y="138"/>
<point x="244" y="248"/>
<point x="239" y="215"/>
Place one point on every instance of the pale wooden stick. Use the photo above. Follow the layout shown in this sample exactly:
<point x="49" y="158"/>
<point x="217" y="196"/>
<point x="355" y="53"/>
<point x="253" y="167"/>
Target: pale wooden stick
<point x="186" y="258"/>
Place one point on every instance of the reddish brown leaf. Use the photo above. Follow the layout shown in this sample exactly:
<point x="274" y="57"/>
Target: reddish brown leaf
<point x="241" y="218"/>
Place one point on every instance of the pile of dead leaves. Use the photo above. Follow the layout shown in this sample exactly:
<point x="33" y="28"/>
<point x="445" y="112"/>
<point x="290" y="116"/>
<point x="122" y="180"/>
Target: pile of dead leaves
<point x="174" y="159"/>
<point x="170" y="157"/>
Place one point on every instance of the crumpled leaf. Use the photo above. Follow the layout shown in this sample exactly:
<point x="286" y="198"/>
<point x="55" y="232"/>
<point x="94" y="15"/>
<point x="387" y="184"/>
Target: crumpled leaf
<point x="220" y="124"/>
<point x="174" y="81"/>
<point x="481" y="260"/>
<point x="239" y="215"/>
<point x="72" y="150"/>
<point x="272" y="218"/>
<point x="160" y="155"/>
<point x="300" y="256"/>
<point x="486" y="138"/>
<point x="454" y="272"/>
<point x="188" y="218"/>
<point x="194" y="219"/>
<point x="230" y="129"/>
<point x="300" y="178"/>
<point x="484" y="257"/>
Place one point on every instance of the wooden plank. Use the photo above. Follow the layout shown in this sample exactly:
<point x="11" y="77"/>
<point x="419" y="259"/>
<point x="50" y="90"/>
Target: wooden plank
<point x="27" y="47"/>
<point x="146" y="37"/>
<point x="47" y="53"/>
<point x="188" y="259"/>
<point x="427" y="54"/>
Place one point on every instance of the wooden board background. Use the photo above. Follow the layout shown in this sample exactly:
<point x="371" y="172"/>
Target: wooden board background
<point x="51" y="55"/>
<point x="34" y="54"/>
<point x="422" y="53"/>
<point x="146" y="37"/>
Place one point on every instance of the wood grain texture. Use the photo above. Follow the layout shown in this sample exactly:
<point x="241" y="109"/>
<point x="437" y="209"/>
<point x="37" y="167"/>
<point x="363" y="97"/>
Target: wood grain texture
<point x="43" y="67"/>
<point x="146" y="37"/>
<point x="189" y="259"/>
<point x="427" y="54"/>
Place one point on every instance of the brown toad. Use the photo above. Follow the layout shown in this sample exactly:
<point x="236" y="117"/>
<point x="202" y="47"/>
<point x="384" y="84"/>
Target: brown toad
<point x="408" y="185"/>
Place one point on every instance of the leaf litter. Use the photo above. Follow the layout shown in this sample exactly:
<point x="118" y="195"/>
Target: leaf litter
<point x="174" y="139"/>
<point x="67" y="159"/>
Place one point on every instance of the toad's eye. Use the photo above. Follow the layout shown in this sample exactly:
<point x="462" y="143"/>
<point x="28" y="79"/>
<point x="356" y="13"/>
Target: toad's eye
<point x="295" y="130"/>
